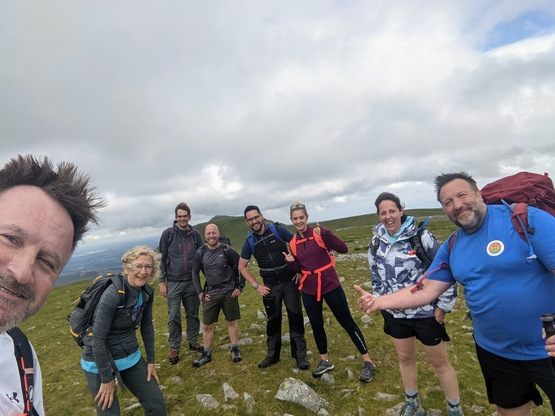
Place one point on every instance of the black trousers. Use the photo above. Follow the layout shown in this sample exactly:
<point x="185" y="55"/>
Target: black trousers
<point x="287" y="293"/>
<point x="149" y="393"/>
<point x="337" y="302"/>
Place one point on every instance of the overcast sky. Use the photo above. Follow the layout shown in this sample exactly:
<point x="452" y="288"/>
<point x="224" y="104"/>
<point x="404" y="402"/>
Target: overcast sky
<point x="226" y="103"/>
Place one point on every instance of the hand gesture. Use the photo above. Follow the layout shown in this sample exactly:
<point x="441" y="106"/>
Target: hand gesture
<point x="289" y="258"/>
<point x="366" y="302"/>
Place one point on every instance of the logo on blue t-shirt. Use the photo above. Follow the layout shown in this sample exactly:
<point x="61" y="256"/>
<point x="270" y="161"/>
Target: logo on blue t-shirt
<point x="495" y="248"/>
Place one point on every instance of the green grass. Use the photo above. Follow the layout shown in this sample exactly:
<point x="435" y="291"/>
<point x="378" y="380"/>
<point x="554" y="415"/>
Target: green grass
<point x="65" y="387"/>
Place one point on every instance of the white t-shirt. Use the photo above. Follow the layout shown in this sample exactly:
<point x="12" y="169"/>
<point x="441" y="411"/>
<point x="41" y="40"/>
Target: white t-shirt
<point x="11" y="396"/>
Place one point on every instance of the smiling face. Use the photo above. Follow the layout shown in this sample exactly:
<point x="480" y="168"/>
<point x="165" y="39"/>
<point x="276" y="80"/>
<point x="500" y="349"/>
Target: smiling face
<point x="463" y="205"/>
<point x="182" y="217"/>
<point x="255" y="221"/>
<point x="139" y="271"/>
<point x="211" y="235"/>
<point x="36" y="235"/>
<point x="390" y="216"/>
<point x="299" y="218"/>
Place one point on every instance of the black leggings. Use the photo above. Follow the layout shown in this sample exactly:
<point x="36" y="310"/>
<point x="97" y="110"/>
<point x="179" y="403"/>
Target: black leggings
<point x="337" y="302"/>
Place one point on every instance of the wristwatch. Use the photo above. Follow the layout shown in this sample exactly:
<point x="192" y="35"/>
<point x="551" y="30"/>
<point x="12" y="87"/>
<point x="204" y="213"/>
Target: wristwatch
<point x="255" y="286"/>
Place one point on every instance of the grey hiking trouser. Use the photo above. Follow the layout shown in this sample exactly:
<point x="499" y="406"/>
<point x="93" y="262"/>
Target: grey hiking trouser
<point x="182" y="292"/>
<point x="148" y="392"/>
<point x="287" y="293"/>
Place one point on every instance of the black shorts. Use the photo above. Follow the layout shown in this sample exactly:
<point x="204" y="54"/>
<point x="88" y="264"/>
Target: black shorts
<point x="512" y="383"/>
<point x="427" y="330"/>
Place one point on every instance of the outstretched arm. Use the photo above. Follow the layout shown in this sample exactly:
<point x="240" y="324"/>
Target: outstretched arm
<point x="402" y="299"/>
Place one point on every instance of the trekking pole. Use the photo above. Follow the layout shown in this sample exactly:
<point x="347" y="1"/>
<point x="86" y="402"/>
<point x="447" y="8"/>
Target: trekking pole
<point x="547" y="320"/>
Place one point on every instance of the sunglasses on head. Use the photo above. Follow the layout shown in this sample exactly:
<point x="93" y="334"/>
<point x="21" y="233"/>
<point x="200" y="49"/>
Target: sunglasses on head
<point x="297" y="206"/>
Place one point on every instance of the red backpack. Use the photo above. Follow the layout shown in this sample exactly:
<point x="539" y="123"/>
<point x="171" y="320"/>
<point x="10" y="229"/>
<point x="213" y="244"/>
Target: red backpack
<point x="517" y="192"/>
<point x="522" y="190"/>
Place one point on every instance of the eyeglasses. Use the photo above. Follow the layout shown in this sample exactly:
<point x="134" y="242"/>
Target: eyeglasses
<point x="183" y="216"/>
<point x="256" y="217"/>
<point x="138" y="267"/>
<point x="297" y="206"/>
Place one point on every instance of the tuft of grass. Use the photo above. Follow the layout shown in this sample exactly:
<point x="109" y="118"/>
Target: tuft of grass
<point x="65" y="389"/>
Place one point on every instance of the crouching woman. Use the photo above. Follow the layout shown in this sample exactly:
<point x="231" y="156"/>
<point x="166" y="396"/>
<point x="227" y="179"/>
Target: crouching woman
<point x="114" y="342"/>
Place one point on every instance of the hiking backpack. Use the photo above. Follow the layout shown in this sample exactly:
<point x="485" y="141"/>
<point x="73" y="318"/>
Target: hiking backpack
<point x="519" y="191"/>
<point x="171" y="235"/>
<point x="81" y="318"/>
<point x="24" y="357"/>
<point x="230" y="263"/>
<point x="251" y="240"/>
<point x="416" y="244"/>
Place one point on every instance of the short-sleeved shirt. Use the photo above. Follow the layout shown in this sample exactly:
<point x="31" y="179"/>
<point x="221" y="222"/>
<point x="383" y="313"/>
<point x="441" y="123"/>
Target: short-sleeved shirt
<point x="268" y="252"/>
<point x="505" y="291"/>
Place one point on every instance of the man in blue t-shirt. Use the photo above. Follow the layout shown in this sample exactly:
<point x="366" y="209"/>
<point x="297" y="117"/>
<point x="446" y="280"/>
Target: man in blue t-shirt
<point x="267" y="243"/>
<point x="506" y="291"/>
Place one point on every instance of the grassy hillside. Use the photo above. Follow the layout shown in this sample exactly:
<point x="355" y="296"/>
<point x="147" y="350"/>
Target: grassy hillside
<point x="66" y="392"/>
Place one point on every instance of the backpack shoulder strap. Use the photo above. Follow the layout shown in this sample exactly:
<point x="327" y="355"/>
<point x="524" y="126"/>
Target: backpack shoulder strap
<point x="171" y="233"/>
<point x="202" y="251"/>
<point x="24" y="357"/>
<point x="117" y="281"/>
<point x="293" y="245"/>
<point x="251" y="240"/>
<point x="275" y="231"/>
<point x="416" y="244"/>
<point x="519" y="218"/>
<point x="319" y="241"/>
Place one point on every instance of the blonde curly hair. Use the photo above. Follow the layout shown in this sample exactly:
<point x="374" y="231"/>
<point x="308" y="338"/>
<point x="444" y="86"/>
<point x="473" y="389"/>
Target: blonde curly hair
<point x="139" y="251"/>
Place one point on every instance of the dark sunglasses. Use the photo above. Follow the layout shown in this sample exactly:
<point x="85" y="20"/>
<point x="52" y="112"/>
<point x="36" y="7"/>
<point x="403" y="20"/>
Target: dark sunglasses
<point x="297" y="206"/>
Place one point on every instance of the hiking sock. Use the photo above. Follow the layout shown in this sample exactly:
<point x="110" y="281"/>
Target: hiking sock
<point x="453" y="403"/>
<point x="412" y="395"/>
<point x="208" y="350"/>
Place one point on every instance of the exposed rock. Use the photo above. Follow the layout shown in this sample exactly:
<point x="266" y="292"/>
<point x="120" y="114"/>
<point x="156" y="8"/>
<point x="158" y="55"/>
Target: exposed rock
<point x="229" y="393"/>
<point x="366" y="319"/>
<point x="230" y="407"/>
<point x="328" y="378"/>
<point x="295" y="391"/>
<point x="286" y="338"/>
<point x="249" y="402"/>
<point x="386" y="396"/>
<point x="255" y="327"/>
<point x="133" y="406"/>
<point x="175" y="379"/>
<point x="323" y="412"/>
<point x="242" y="341"/>
<point x="260" y="314"/>
<point x="207" y="401"/>
<point x="361" y="411"/>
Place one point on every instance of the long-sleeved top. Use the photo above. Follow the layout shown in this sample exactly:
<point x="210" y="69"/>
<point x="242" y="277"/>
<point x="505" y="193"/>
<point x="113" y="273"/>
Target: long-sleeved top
<point x="179" y="253"/>
<point x="220" y="278"/>
<point x="310" y="256"/>
<point x="11" y="402"/>
<point x="395" y="265"/>
<point x="114" y="331"/>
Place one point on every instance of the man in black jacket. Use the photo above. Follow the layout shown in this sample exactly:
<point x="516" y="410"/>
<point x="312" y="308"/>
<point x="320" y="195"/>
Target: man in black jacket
<point x="178" y="245"/>
<point x="267" y="242"/>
